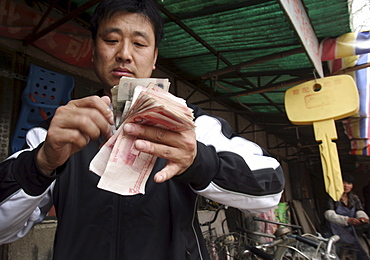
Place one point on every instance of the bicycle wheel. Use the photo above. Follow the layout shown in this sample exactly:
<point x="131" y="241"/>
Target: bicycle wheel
<point x="293" y="249"/>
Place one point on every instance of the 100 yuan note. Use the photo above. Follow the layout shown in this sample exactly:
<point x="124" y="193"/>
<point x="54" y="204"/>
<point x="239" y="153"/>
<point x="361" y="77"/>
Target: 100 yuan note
<point x="123" y="169"/>
<point x="100" y="161"/>
<point x="123" y="93"/>
<point x="127" y="170"/>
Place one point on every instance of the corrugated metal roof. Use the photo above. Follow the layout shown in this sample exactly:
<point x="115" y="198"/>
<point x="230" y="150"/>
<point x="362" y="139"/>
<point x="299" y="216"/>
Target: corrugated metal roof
<point x="205" y="36"/>
<point x="240" y="32"/>
<point x="202" y="37"/>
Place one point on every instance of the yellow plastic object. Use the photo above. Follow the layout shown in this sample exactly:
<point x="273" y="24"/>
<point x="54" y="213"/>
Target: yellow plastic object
<point x="325" y="132"/>
<point x="320" y="102"/>
<point x="334" y="97"/>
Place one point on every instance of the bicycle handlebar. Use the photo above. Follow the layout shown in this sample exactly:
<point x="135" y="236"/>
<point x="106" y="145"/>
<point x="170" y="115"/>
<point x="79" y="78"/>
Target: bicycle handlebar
<point x="255" y="233"/>
<point x="260" y="253"/>
<point x="208" y="223"/>
<point x="305" y="240"/>
<point x="332" y="240"/>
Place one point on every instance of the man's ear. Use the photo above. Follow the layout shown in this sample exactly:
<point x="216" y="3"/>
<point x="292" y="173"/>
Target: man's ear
<point x="155" y="58"/>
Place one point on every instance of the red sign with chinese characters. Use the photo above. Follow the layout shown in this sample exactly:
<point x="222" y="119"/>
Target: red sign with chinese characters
<point x="69" y="43"/>
<point x="302" y="25"/>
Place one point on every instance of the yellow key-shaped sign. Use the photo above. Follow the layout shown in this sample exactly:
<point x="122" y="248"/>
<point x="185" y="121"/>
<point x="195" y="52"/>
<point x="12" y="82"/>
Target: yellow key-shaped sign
<point x="320" y="102"/>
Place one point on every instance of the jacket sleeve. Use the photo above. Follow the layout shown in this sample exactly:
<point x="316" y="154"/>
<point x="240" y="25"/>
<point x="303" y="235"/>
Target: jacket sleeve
<point x="232" y="170"/>
<point x="360" y="213"/>
<point x="333" y="217"/>
<point x="25" y="192"/>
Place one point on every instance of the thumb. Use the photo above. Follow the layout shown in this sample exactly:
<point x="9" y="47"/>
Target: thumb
<point x="106" y="100"/>
<point x="167" y="173"/>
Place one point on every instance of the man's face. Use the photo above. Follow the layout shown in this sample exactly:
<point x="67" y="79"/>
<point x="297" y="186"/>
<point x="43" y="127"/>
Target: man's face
<point x="124" y="46"/>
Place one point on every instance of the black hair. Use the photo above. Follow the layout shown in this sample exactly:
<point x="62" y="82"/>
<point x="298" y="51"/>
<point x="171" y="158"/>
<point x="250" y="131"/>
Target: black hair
<point x="347" y="178"/>
<point x="148" y="8"/>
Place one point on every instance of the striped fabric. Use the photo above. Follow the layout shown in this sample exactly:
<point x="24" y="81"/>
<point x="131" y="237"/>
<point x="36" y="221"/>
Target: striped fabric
<point x="357" y="128"/>
<point x="346" y="51"/>
<point x="349" y="44"/>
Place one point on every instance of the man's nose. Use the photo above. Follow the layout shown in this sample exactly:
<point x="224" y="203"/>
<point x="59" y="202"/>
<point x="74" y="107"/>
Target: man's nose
<point x="124" y="53"/>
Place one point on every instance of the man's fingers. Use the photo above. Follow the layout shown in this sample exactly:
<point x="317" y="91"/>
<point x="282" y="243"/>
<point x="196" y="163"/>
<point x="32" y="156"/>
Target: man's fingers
<point x="178" y="160"/>
<point x="88" y="121"/>
<point x="109" y="112"/>
<point x="181" y="155"/>
<point x="63" y="136"/>
<point x="161" y="136"/>
<point x="106" y="100"/>
<point x="179" y="148"/>
<point x="71" y="129"/>
<point x="169" y="171"/>
<point x="101" y="104"/>
<point x="90" y="115"/>
<point x="154" y="134"/>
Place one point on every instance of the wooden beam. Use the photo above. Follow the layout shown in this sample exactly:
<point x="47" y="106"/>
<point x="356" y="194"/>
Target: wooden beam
<point x="358" y="67"/>
<point x="33" y="37"/>
<point x="192" y="33"/>
<point x="239" y="66"/>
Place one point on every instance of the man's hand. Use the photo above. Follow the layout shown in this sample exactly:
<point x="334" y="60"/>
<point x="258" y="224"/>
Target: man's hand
<point x="179" y="148"/>
<point x="72" y="128"/>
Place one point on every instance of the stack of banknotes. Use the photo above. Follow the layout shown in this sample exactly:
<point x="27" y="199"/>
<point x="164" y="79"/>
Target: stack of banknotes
<point x="122" y="168"/>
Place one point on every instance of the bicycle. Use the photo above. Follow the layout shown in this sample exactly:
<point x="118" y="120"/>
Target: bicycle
<point x="287" y="245"/>
<point x="221" y="247"/>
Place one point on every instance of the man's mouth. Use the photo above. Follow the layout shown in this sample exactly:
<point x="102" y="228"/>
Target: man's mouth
<point x="120" y="72"/>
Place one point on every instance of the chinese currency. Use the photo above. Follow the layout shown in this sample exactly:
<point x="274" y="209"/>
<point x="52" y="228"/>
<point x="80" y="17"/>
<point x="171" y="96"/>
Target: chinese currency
<point x="122" y="168"/>
<point x="123" y="94"/>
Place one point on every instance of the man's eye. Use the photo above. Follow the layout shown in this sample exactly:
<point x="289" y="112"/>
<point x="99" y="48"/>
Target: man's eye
<point x="139" y="44"/>
<point x="111" y="41"/>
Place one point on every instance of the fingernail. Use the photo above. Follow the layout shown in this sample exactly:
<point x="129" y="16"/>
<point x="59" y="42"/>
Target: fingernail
<point x="160" y="178"/>
<point x="140" y="145"/>
<point x="129" y="128"/>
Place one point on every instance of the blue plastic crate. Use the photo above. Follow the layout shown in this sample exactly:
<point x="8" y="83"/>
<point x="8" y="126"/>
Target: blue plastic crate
<point x="45" y="91"/>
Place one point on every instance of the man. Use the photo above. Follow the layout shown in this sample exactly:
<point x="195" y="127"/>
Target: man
<point x="344" y="215"/>
<point x="162" y="224"/>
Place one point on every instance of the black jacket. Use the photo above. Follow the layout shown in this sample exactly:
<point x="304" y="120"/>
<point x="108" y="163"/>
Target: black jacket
<point x="162" y="224"/>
